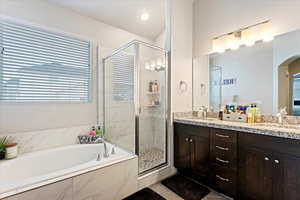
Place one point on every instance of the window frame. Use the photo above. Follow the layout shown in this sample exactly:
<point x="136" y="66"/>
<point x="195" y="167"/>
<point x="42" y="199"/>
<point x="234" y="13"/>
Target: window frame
<point x="62" y="33"/>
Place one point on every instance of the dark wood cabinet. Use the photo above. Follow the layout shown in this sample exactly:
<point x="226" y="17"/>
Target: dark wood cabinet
<point x="255" y="174"/>
<point x="182" y="154"/>
<point x="200" y="156"/>
<point x="191" y="150"/>
<point x="246" y="166"/>
<point x="268" y="168"/>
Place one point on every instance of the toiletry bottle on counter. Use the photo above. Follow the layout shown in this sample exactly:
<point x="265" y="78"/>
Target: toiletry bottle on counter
<point x="11" y="150"/>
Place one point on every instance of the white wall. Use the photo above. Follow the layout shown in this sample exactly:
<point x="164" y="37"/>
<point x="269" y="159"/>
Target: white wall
<point x="181" y="53"/>
<point x="20" y="117"/>
<point x="253" y="69"/>
<point x="216" y="17"/>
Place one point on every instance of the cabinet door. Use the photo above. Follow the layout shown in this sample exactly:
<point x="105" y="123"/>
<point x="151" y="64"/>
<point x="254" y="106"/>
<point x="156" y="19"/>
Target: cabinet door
<point x="182" y="158"/>
<point x="200" y="156"/>
<point x="255" y="174"/>
<point x="286" y="181"/>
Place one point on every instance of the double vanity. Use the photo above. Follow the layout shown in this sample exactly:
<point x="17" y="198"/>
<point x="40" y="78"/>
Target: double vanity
<point x="244" y="161"/>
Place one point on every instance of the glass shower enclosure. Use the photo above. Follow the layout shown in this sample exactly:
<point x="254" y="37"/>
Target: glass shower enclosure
<point x="135" y="102"/>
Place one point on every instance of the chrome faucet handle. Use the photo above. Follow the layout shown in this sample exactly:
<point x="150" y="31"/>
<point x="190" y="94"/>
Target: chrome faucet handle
<point x="283" y="111"/>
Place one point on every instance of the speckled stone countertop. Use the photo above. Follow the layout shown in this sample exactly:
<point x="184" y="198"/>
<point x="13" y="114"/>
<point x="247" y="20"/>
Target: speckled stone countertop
<point x="291" y="133"/>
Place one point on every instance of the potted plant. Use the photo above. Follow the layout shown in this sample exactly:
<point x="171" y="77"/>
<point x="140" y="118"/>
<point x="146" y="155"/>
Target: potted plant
<point x="3" y="141"/>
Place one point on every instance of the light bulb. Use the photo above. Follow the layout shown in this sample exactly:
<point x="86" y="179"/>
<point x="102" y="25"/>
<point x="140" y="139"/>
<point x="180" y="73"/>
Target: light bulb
<point x="144" y="16"/>
<point x="147" y="66"/>
<point x="232" y="41"/>
<point x="248" y="37"/>
<point x="218" y="45"/>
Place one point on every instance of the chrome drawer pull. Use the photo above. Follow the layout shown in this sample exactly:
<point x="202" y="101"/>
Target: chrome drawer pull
<point x="222" y="136"/>
<point x="221" y="178"/>
<point x="222" y="148"/>
<point x="186" y="139"/>
<point x="276" y="161"/>
<point x="223" y="161"/>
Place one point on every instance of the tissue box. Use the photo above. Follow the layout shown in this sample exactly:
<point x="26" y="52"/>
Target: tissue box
<point x="235" y="117"/>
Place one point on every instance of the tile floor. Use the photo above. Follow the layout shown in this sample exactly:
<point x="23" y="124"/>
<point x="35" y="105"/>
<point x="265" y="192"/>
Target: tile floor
<point x="169" y="195"/>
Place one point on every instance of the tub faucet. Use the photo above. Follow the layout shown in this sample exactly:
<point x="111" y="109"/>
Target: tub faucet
<point x="98" y="140"/>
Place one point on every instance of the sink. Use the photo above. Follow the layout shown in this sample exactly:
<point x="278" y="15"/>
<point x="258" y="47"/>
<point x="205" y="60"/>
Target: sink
<point x="275" y="125"/>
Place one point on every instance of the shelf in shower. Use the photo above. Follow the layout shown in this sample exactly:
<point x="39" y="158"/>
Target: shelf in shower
<point x="153" y="93"/>
<point x="152" y="106"/>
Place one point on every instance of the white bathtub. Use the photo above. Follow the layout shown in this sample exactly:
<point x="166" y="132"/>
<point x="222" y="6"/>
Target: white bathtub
<point x="35" y="169"/>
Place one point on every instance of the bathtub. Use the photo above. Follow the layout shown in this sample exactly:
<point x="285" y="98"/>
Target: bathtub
<point x="39" y="168"/>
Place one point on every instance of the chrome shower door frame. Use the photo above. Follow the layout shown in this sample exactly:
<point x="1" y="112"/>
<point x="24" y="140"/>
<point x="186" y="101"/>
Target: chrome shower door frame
<point x="137" y="105"/>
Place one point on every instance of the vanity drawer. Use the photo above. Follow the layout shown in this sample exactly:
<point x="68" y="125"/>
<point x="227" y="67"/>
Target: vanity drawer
<point x="224" y="135"/>
<point x="224" y="159"/>
<point x="224" y="180"/>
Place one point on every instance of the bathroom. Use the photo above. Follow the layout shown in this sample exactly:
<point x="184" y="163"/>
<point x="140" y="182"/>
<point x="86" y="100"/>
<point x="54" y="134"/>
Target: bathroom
<point x="139" y="99"/>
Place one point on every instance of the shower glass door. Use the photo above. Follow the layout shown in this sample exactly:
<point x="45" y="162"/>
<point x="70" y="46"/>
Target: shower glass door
<point x="152" y="135"/>
<point x="135" y="102"/>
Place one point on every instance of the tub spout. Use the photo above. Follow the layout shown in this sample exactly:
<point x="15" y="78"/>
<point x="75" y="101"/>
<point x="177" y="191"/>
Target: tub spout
<point x="105" y="150"/>
<point x="106" y="154"/>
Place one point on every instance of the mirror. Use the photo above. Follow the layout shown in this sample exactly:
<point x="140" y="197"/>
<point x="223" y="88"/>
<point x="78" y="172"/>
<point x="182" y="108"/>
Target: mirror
<point x="266" y="74"/>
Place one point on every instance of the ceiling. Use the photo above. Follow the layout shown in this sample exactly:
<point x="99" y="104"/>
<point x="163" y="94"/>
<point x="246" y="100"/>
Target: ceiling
<point x="124" y="14"/>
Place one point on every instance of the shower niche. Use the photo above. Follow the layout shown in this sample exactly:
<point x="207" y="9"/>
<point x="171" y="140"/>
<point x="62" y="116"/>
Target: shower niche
<point x="135" y="102"/>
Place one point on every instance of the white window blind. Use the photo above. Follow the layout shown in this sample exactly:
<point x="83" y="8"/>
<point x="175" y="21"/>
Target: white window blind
<point x="41" y="66"/>
<point x="123" y="77"/>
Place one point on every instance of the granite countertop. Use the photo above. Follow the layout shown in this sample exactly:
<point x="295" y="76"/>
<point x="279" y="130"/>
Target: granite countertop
<point x="256" y="128"/>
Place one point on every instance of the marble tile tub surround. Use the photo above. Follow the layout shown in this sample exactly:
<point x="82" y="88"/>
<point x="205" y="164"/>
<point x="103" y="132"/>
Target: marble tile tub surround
<point x="109" y="183"/>
<point x="46" y="139"/>
<point x="290" y="133"/>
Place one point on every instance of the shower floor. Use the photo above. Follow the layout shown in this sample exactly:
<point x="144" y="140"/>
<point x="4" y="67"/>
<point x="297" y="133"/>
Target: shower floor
<point x="150" y="158"/>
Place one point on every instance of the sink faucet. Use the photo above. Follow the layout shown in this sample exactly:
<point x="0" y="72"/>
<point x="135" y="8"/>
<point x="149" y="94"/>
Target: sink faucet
<point x="281" y="115"/>
<point x="202" y="113"/>
<point x="98" y="140"/>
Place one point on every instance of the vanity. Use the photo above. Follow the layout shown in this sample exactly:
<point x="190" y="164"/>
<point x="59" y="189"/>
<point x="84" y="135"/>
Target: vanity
<point x="240" y="160"/>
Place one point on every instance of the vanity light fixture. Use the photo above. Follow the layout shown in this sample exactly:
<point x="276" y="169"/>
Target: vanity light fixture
<point x="248" y="37"/>
<point x="244" y="36"/>
<point x="233" y="40"/>
<point x="219" y="45"/>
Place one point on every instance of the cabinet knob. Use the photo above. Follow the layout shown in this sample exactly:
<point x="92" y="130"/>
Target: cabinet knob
<point x="267" y="159"/>
<point x="186" y="139"/>
<point x="276" y="161"/>
<point x="191" y="140"/>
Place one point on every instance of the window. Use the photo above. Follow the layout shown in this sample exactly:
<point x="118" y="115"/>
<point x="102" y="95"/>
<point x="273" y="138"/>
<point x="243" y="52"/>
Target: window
<point x="123" y="77"/>
<point x="41" y="66"/>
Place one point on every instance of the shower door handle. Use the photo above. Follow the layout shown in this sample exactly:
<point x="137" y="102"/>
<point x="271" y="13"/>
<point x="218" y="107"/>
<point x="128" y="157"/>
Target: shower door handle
<point x="140" y="110"/>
